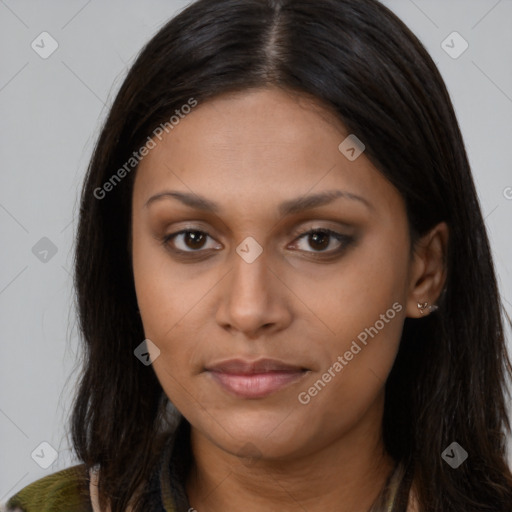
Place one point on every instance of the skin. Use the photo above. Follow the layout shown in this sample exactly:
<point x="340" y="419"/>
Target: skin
<point x="248" y="152"/>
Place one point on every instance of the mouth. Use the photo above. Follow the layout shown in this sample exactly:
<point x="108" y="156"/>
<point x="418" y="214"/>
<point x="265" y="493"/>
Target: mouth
<point x="256" y="379"/>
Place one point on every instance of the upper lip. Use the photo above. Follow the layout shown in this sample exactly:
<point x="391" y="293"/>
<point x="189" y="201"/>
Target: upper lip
<point x="241" y="366"/>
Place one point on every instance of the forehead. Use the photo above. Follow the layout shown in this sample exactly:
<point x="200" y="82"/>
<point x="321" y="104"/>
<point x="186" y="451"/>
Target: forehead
<point x="254" y="144"/>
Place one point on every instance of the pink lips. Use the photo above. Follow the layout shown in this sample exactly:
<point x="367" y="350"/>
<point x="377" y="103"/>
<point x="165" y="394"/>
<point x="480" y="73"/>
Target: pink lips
<point x="255" y="379"/>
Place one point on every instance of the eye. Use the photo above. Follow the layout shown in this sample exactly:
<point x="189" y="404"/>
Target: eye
<point x="323" y="239"/>
<point x="189" y="240"/>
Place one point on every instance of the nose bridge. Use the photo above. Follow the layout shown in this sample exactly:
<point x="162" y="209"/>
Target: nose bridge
<point x="250" y="282"/>
<point x="251" y="298"/>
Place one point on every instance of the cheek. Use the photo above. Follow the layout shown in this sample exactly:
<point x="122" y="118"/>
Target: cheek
<point x="362" y="353"/>
<point x="150" y="282"/>
<point x="363" y="305"/>
<point x="352" y="295"/>
<point x="170" y="298"/>
<point x="161" y="301"/>
<point x="163" y="294"/>
<point x="164" y="303"/>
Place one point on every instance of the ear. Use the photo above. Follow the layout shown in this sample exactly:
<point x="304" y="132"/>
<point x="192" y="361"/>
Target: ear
<point x="427" y="271"/>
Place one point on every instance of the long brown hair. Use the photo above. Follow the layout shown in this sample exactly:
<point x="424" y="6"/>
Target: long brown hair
<point x="448" y="383"/>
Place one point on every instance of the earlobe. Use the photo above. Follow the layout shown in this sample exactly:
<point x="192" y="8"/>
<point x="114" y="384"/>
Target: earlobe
<point x="425" y="306"/>
<point x="428" y="275"/>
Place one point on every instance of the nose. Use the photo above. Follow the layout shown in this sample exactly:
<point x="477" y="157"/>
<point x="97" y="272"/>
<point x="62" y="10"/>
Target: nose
<point x="253" y="300"/>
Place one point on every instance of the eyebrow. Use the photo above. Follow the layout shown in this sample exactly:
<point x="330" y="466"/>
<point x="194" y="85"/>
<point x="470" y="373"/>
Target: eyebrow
<point x="288" y="207"/>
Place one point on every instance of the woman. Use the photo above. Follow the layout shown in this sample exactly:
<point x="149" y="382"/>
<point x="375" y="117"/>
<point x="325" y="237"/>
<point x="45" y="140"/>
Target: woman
<point x="280" y="236"/>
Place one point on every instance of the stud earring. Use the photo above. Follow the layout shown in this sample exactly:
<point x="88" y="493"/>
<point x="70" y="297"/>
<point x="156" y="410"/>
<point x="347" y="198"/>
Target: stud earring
<point x="422" y="306"/>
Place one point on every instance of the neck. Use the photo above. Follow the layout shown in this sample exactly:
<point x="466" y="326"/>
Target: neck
<point x="345" y="475"/>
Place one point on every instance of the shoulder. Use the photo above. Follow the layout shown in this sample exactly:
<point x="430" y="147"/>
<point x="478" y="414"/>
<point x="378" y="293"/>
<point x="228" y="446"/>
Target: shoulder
<point x="63" y="491"/>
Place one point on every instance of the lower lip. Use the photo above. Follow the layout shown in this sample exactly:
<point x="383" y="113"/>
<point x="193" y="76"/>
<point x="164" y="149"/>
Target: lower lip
<point x="258" y="385"/>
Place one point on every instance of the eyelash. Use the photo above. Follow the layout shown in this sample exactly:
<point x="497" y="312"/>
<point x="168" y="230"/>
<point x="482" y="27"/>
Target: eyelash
<point x="344" y="240"/>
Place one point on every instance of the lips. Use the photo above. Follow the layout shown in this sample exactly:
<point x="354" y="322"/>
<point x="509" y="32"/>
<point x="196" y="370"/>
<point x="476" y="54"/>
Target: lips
<point x="242" y="367"/>
<point x="254" y="379"/>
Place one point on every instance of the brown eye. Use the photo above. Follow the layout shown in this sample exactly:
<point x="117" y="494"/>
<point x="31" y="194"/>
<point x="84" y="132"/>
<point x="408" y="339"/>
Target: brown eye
<point x="321" y="239"/>
<point x="189" y="240"/>
<point x="194" y="239"/>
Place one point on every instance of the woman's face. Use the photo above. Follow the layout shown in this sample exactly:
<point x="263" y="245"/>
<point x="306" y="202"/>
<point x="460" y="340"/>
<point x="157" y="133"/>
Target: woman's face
<point x="273" y="342"/>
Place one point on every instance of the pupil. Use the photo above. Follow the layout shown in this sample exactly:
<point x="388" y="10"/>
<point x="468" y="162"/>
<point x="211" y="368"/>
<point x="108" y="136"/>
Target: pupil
<point x="196" y="238"/>
<point x="324" y="237"/>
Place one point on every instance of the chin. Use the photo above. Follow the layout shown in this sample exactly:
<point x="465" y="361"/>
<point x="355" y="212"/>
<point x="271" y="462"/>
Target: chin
<point x="258" y="434"/>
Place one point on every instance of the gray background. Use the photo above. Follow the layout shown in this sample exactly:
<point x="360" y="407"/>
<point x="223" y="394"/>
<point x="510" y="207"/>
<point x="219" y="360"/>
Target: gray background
<point x="51" y="113"/>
